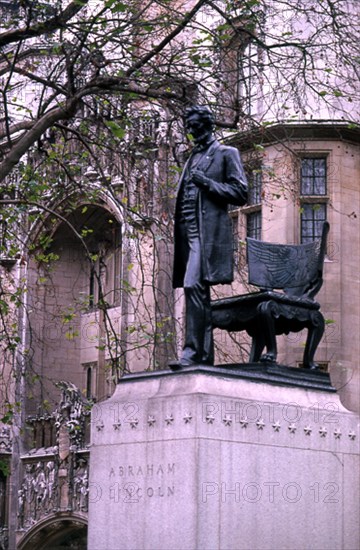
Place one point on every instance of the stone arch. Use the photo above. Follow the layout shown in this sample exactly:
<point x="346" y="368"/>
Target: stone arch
<point x="56" y="532"/>
<point x="55" y="211"/>
<point x="63" y="295"/>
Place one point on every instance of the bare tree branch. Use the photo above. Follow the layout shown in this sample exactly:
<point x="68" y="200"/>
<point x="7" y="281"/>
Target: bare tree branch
<point x="38" y="29"/>
<point x="157" y="49"/>
<point x="26" y="141"/>
<point x="15" y="128"/>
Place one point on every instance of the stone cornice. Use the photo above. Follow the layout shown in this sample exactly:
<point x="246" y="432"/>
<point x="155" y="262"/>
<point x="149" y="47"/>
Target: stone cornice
<point x="292" y="131"/>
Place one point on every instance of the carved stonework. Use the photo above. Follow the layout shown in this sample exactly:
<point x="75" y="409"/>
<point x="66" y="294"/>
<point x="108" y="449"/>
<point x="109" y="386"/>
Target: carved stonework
<point x="5" y="439"/>
<point x="55" y="478"/>
<point x="3" y="539"/>
<point x="37" y="495"/>
<point x="47" y="488"/>
<point x="80" y="487"/>
<point x="72" y="413"/>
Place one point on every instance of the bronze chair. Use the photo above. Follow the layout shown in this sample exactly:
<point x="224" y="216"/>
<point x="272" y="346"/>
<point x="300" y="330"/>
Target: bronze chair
<point x="289" y="277"/>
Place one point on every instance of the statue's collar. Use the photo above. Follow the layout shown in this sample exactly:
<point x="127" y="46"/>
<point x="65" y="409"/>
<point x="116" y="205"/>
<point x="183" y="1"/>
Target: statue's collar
<point x="201" y="147"/>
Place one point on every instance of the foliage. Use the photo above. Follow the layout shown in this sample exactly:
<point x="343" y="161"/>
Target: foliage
<point x="4" y="468"/>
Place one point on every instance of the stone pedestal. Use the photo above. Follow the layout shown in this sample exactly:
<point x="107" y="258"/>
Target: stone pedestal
<point x="207" y="458"/>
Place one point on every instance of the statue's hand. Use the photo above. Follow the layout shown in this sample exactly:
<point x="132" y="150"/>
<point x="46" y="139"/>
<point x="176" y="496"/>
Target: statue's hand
<point x="198" y="177"/>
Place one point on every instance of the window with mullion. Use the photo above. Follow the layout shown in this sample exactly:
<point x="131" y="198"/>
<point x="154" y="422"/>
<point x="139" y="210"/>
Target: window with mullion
<point x="255" y="187"/>
<point x="253" y="228"/>
<point x="312" y="218"/>
<point x="313" y="183"/>
<point x="313" y="176"/>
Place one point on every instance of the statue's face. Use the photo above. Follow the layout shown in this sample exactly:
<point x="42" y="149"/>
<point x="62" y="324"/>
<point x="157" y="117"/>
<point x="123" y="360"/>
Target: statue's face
<point x="198" y="128"/>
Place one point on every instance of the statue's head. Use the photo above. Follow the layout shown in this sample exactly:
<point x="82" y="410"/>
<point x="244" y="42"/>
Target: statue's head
<point x="199" y="122"/>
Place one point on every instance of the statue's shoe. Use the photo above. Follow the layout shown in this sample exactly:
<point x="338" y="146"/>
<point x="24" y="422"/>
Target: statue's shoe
<point x="178" y="364"/>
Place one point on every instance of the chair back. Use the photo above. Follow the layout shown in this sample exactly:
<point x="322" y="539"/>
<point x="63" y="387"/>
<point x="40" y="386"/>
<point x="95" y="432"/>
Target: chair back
<point x="296" y="269"/>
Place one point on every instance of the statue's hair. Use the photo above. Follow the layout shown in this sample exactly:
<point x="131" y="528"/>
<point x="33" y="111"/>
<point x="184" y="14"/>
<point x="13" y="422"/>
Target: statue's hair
<point x="203" y="112"/>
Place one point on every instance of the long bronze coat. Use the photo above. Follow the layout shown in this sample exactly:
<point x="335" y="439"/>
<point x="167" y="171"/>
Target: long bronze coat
<point x="226" y="182"/>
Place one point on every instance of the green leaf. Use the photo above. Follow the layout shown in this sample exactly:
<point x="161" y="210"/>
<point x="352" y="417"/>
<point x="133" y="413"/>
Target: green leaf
<point x="71" y="334"/>
<point x="4" y="467"/>
<point x="223" y="27"/>
<point x="259" y="147"/>
<point x="117" y="130"/>
<point x="115" y="6"/>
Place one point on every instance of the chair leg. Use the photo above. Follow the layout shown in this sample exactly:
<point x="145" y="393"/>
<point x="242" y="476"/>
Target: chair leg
<point x="315" y="333"/>
<point x="267" y="312"/>
<point x="257" y="345"/>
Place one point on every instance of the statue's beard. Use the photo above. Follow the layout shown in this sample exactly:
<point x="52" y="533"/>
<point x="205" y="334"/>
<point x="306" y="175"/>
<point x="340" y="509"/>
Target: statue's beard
<point x="203" y="137"/>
